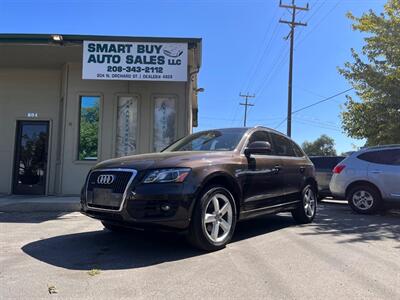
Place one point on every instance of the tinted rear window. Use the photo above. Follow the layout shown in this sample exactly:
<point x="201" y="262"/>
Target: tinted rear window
<point x="297" y="150"/>
<point x="282" y="145"/>
<point x="385" y="157"/>
<point x="327" y="163"/>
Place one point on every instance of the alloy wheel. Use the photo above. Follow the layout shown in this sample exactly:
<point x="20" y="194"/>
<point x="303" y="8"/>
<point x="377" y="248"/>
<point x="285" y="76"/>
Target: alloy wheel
<point x="363" y="200"/>
<point x="309" y="201"/>
<point x="218" y="217"/>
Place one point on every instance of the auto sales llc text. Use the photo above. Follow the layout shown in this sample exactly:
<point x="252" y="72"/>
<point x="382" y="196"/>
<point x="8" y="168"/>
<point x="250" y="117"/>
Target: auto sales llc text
<point x="131" y="54"/>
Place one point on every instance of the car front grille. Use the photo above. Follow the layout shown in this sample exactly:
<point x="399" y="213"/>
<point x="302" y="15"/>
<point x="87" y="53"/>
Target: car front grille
<point x="118" y="185"/>
<point x="106" y="195"/>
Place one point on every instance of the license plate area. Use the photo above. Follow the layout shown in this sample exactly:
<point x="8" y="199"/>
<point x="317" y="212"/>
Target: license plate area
<point x="104" y="198"/>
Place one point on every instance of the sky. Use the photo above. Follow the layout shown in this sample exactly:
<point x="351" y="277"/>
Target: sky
<point x="244" y="51"/>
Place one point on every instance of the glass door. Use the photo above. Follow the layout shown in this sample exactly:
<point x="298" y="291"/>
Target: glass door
<point x="30" y="165"/>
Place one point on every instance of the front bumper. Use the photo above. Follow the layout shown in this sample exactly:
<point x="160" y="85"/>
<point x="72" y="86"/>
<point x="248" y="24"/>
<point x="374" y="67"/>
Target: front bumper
<point x="158" y="206"/>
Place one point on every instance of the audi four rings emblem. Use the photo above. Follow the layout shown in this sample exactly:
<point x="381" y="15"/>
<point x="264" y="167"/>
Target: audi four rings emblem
<point x="105" y="179"/>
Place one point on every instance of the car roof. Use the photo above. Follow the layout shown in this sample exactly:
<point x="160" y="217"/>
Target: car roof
<point x="248" y="129"/>
<point x="380" y="147"/>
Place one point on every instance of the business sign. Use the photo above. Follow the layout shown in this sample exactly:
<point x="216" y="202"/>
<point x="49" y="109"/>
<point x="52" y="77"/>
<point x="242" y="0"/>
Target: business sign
<point x="134" y="61"/>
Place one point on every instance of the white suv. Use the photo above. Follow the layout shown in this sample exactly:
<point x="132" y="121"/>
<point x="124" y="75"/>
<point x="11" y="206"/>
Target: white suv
<point x="368" y="178"/>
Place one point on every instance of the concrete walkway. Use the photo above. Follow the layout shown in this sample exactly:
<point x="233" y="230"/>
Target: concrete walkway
<point x="14" y="203"/>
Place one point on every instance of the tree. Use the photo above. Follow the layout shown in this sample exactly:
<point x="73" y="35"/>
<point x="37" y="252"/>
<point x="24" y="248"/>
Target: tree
<point x="89" y="132"/>
<point x="375" y="75"/>
<point x="322" y="146"/>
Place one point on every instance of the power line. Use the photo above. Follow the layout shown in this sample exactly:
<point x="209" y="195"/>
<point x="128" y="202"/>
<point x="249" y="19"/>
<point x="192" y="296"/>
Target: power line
<point x="280" y="123"/>
<point x="318" y="23"/>
<point x="278" y="63"/>
<point x="318" y="122"/>
<point x="309" y="92"/>
<point x="321" y="101"/>
<point x="261" y="57"/>
<point x="313" y="104"/>
<point x="317" y="9"/>
<point x="316" y="125"/>
<point x="261" y="52"/>
<point x="246" y="82"/>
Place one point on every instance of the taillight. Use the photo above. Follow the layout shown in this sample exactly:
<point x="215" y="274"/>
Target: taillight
<point x="338" y="169"/>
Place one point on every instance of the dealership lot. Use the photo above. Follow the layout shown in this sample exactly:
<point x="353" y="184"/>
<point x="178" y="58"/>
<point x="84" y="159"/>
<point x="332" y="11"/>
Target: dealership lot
<point x="340" y="255"/>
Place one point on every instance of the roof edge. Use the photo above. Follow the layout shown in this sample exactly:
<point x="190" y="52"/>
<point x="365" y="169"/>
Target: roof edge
<point x="40" y="38"/>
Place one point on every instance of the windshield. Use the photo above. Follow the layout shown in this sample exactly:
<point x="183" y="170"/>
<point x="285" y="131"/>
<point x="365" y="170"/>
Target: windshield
<point x="213" y="140"/>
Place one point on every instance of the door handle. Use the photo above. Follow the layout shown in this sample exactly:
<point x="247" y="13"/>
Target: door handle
<point x="276" y="169"/>
<point x="376" y="172"/>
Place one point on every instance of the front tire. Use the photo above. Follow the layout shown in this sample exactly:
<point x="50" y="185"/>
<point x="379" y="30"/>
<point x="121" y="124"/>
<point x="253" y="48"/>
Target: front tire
<point x="364" y="199"/>
<point x="306" y="212"/>
<point x="214" y="219"/>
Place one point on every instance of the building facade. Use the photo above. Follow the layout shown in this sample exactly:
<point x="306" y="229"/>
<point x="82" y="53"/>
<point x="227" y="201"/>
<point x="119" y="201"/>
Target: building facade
<point x="68" y="102"/>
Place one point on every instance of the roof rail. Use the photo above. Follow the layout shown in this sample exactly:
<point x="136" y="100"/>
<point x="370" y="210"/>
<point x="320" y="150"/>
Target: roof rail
<point x="382" y="147"/>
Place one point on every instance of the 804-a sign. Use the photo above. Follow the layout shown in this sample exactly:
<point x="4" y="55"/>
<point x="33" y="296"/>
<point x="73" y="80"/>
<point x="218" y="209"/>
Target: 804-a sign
<point x="134" y="61"/>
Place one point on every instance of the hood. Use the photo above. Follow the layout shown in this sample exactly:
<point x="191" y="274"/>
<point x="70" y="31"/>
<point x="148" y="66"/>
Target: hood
<point x="164" y="160"/>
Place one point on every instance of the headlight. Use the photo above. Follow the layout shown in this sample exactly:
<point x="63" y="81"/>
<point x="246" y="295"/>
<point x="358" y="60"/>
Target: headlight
<point x="167" y="175"/>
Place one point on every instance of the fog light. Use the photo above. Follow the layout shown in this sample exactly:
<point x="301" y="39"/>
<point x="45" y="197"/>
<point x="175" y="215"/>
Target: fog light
<point x="165" y="207"/>
<point x="131" y="196"/>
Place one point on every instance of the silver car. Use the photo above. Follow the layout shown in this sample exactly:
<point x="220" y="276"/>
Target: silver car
<point x="323" y="172"/>
<point x="368" y="178"/>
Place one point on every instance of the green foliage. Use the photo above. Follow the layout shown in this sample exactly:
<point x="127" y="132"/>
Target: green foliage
<point x="88" y="137"/>
<point x="375" y="75"/>
<point x="322" y="146"/>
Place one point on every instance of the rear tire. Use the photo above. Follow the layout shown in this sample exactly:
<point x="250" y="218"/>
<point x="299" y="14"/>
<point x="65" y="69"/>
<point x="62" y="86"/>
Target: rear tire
<point x="214" y="219"/>
<point x="306" y="212"/>
<point x="364" y="199"/>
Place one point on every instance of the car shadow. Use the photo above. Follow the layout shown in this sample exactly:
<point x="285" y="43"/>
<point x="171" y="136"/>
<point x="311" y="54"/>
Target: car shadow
<point x="136" y="249"/>
<point x="106" y="250"/>
<point x="338" y="220"/>
<point x="31" y="217"/>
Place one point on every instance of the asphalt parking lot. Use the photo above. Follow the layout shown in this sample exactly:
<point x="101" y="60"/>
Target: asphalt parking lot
<point x="64" y="256"/>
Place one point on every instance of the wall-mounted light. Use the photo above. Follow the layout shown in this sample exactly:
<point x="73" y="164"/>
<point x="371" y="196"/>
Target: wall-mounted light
<point x="57" y="38"/>
<point x="199" y="90"/>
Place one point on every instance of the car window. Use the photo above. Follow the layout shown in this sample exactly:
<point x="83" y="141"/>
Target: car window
<point x="395" y="154"/>
<point x="260" y="136"/>
<point x="327" y="163"/>
<point x="212" y="140"/>
<point x="339" y="159"/>
<point x="297" y="150"/>
<point x="282" y="145"/>
<point x="385" y="157"/>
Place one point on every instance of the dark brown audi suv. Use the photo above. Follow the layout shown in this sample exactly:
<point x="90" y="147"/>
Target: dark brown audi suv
<point x="203" y="184"/>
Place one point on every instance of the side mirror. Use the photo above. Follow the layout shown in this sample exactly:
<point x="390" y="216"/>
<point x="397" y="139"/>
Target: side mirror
<point x="258" y="147"/>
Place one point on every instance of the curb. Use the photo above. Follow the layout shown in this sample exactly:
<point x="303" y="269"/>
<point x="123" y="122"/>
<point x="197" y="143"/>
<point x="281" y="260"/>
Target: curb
<point x="30" y="206"/>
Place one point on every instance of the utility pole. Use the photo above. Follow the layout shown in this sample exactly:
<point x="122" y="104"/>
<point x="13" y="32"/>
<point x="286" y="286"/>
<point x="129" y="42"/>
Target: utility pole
<point x="246" y="105"/>
<point x="292" y="25"/>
